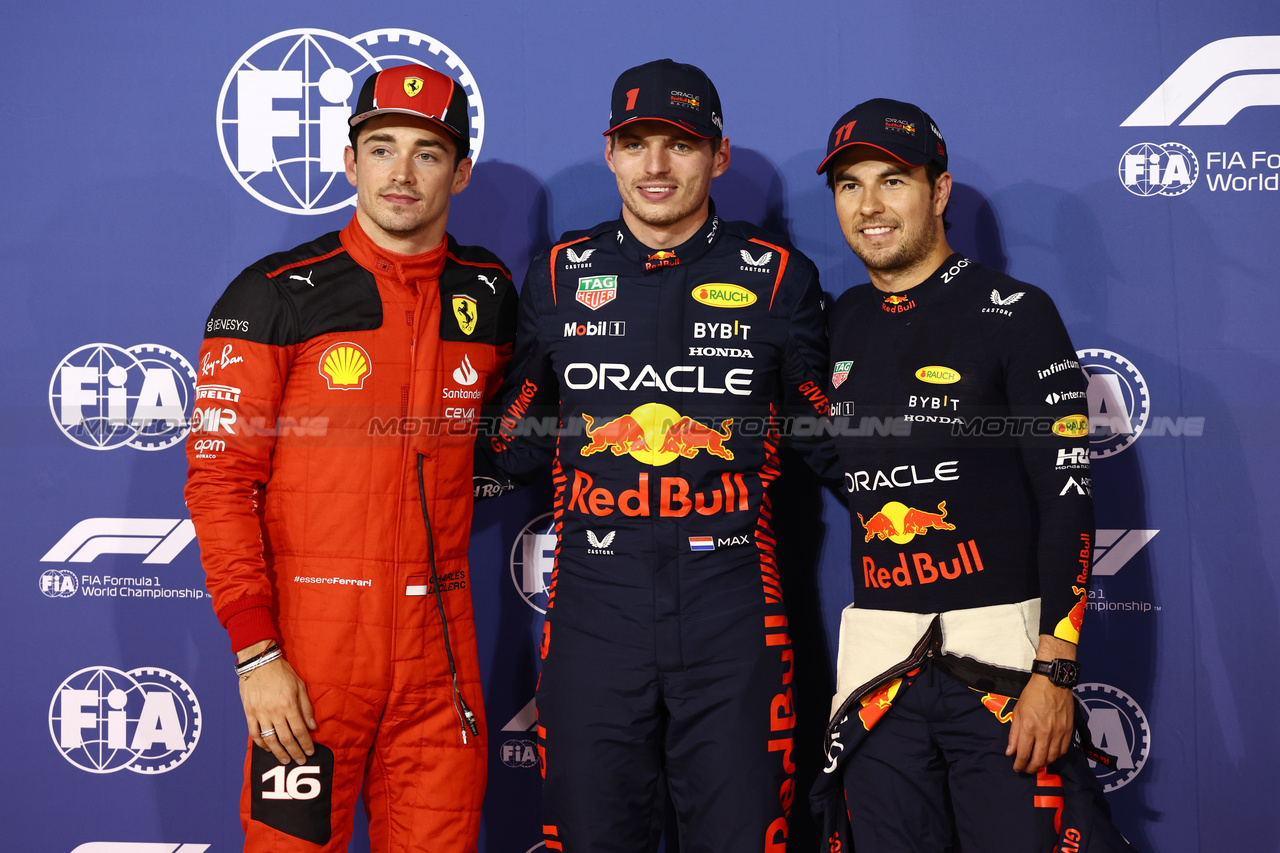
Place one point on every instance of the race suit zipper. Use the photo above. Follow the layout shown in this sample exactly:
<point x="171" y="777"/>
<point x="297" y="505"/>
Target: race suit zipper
<point x="924" y="649"/>
<point x="465" y="716"/>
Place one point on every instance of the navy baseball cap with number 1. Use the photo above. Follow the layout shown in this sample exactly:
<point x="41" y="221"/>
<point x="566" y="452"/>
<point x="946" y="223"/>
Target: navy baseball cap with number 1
<point x="668" y="91"/>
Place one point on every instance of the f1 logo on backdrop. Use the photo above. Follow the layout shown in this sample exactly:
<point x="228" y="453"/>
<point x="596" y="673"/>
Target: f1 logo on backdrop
<point x="103" y="396"/>
<point x="139" y="847"/>
<point x="145" y="720"/>
<point x="160" y="539"/>
<point x="1218" y="80"/>
<point x="283" y="110"/>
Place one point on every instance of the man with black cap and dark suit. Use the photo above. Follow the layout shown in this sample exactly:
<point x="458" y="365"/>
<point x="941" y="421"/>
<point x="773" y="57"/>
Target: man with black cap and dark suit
<point x="683" y="343"/>
<point x="953" y="720"/>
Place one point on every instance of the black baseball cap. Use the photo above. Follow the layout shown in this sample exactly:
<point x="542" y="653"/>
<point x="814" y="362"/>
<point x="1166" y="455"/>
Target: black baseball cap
<point x="416" y="90"/>
<point x="901" y="130"/>
<point x="664" y="90"/>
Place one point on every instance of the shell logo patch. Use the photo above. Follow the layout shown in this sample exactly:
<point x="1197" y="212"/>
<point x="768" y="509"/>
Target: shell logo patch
<point x="345" y="366"/>
<point x="723" y="295"/>
<point x="464" y="309"/>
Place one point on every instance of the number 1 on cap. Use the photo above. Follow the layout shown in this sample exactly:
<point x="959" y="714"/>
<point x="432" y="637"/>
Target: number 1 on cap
<point x="631" y="99"/>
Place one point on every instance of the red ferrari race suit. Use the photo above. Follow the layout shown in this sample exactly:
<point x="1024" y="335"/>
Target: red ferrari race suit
<point x="330" y="485"/>
<point x="666" y="651"/>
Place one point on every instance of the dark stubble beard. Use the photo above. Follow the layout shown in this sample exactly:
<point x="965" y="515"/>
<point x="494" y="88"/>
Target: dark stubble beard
<point x="911" y="250"/>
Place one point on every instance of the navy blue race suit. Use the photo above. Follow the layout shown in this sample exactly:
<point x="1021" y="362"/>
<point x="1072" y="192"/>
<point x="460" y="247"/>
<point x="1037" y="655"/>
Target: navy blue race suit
<point x="666" y="648"/>
<point x="963" y="436"/>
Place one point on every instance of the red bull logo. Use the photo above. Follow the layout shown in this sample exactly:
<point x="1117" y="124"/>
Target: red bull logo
<point x="875" y="705"/>
<point x="1068" y="628"/>
<point x="895" y="304"/>
<point x="621" y="435"/>
<point x="900" y="523"/>
<point x="656" y="435"/>
<point x="1001" y="706"/>
<point x="927" y="570"/>
<point x="661" y="259"/>
<point x="666" y="497"/>
<point x="686" y="437"/>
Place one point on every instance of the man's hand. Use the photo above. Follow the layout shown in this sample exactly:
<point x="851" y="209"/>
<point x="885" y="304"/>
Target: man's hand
<point x="1042" y="720"/>
<point x="277" y="709"/>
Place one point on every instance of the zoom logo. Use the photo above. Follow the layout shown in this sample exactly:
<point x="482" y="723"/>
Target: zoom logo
<point x="283" y="110"/>
<point x="145" y="720"/>
<point x="1214" y="84"/>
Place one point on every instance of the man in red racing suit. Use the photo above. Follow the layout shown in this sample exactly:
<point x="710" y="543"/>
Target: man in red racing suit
<point x="330" y="486"/>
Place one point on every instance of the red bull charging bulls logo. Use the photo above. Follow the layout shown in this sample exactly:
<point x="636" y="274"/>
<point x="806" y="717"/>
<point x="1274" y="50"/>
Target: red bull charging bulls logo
<point x="901" y="523"/>
<point x="656" y="434"/>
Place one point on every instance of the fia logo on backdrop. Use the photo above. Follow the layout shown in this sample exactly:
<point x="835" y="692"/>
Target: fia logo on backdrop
<point x="103" y="396"/>
<point x="283" y="110"/>
<point x="1117" y="725"/>
<point x="103" y="719"/>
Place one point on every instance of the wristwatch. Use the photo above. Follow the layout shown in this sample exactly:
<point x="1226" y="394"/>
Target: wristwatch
<point x="1062" y="672"/>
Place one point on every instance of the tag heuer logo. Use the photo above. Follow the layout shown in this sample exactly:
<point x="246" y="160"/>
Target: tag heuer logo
<point x="597" y="290"/>
<point x="840" y="373"/>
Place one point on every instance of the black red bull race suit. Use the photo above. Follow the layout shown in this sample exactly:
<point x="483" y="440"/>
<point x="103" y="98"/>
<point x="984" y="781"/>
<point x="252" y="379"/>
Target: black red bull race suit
<point x="961" y="416"/>
<point x="666" y="649"/>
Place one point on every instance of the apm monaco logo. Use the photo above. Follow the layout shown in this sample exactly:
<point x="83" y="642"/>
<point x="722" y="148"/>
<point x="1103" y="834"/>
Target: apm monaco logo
<point x="533" y="556"/>
<point x="1119" y="405"/>
<point x="1118" y="726"/>
<point x="103" y="396"/>
<point x="146" y="720"/>
<point x="283" y="110"/>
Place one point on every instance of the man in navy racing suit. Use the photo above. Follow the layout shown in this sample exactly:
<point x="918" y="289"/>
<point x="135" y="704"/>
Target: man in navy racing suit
<point x="672" y="347"/>
<point x="969" y="495"/>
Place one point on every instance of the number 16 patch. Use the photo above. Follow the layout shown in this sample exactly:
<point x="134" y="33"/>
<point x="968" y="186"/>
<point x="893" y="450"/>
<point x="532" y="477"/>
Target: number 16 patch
<point x="296" y="799"/>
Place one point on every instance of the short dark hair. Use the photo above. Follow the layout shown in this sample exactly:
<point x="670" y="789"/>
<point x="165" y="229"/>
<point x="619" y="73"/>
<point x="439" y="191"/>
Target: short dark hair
<point x="354" y="136"/>
<point x="932" y="170"/>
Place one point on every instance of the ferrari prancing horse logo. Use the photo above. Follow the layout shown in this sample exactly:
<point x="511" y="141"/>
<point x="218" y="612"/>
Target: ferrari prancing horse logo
<point x="464" y="308"/>
<point x="412" y="86"/>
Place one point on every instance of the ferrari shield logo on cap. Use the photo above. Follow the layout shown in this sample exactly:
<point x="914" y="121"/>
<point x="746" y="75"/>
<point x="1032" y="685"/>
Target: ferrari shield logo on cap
<point x="464" y="309"/>
<point x="412" y="86"/>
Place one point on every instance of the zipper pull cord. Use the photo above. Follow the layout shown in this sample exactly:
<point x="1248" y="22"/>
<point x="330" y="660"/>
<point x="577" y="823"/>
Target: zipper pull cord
<point x="465" y="717"/>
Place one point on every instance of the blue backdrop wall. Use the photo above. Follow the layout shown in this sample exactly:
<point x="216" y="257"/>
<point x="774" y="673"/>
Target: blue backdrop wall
<point x="1125" y="157"/>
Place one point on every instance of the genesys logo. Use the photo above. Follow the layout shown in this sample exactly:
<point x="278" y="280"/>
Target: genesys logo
<point x="1119" y="403"/>
<point x="103" y="396"/>
<point x="533" y="558"/>
<point x="103" y="719"/>
<point x="283" y="109"/>
<point x="1117" y="725"/>
<point x="1211" y="87"/>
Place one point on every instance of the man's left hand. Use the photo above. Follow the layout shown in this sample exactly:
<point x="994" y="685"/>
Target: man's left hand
<point x="1043" y="718"/>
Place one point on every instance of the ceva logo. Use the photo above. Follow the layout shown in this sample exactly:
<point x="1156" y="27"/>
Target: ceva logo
<point x="283" y="110"/>
<point x="1214" y="84"/>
